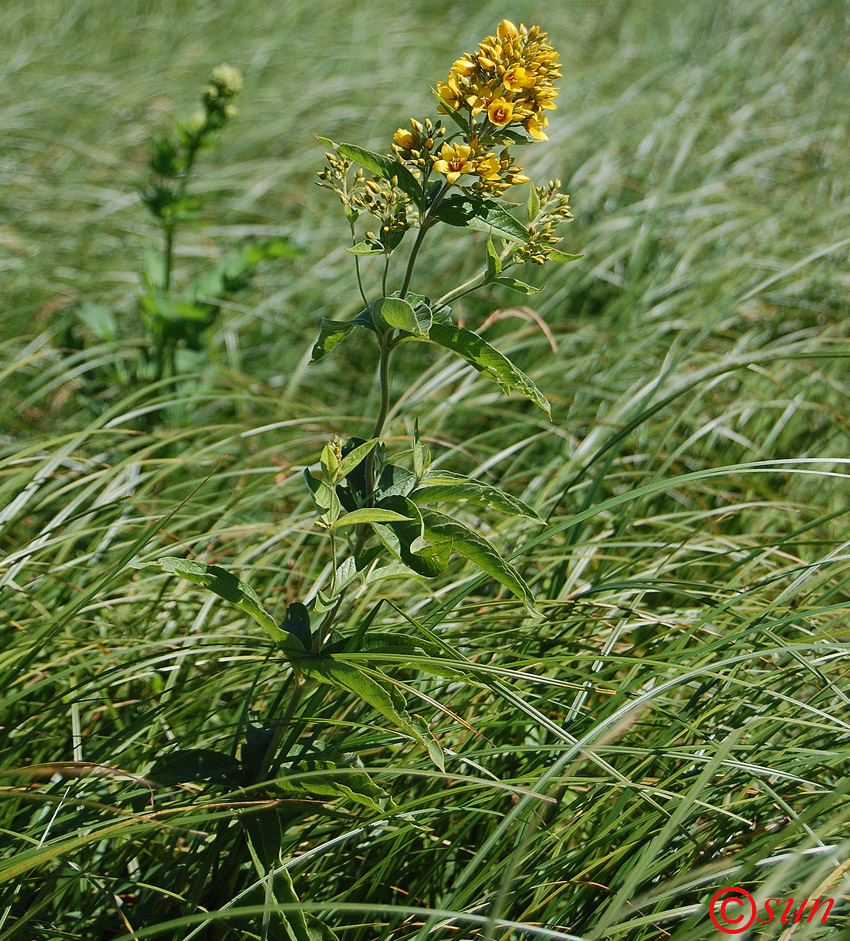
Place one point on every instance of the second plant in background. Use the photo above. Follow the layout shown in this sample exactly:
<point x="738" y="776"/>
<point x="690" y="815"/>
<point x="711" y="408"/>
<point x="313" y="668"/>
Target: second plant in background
<point x="181" y="318"/>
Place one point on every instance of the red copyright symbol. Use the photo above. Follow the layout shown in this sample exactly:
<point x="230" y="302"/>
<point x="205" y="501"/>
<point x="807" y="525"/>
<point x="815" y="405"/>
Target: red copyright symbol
<point x="734" y="920"/>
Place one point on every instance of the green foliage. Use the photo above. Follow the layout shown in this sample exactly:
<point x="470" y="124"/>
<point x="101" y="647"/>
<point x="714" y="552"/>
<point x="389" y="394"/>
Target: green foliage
<point x="173" y="319"/>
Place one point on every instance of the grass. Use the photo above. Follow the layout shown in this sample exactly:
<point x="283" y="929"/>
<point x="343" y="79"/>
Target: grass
<point x="678" y="724"/>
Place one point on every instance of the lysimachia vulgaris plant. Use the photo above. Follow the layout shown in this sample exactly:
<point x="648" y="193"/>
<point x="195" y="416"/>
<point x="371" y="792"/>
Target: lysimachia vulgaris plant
<point x="181" y="319"/>
<point x="378" y="511"/>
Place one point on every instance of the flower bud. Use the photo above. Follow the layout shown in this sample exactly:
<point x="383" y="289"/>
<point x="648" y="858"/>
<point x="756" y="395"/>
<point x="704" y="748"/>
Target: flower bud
<point x="227" y="80"/>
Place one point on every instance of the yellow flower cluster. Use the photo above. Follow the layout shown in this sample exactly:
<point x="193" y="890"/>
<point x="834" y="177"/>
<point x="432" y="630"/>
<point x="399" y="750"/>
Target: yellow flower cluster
<point x="510" y="80"/>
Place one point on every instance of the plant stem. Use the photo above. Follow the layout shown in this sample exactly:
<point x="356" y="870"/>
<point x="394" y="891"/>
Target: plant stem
<point x="467" y="287"/>
<point x="271" y="752"/>
<point x="169" y="255"/>
<point x="384" y="376"/>
<point x="426" y="224"/>
<point x="357" y="268"/>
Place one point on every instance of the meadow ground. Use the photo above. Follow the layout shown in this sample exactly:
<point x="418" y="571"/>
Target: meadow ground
<point x="679" y="723"/>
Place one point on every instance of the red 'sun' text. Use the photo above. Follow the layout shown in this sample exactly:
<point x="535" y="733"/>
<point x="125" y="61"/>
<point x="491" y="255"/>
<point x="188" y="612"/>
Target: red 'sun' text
<point x="734" y="910"/>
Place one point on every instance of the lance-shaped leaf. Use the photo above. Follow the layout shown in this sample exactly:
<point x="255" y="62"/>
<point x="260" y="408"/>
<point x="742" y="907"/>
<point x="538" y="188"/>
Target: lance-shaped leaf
<point x="353" y="458"/>
<point x="494" y="263"/>
<point x="472" y="491"/>
<point x="405" y="539"/>
<point x="297" y="623"/>
<point x="378" y="690"/>
<point x="198" y="765"/>
<point x="485" y="215"/>
<point x="533" y="204"/>
<point x="488" y="360"/>
<point x="226" y="585"/>
<point x="454" y="113"/>
<point x="516" y="285"/>
<point x="367" y="247"/>
<point x="370" y="514"/>
<point x="331" y="333"/>
<point x="395" y="480"/>
<point x="395" y="312"/>
<point x="472" y="545"/>
<point x="555" y="255"/>
<point x="385" y="167"/>
<point x="325" y="779"/>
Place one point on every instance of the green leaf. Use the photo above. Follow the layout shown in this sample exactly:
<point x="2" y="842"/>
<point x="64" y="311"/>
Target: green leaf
<point x="394" y="643"/>
<point x="494" y="263"/>
<point x="555" y="255"/>
<point x="365" y="319"/>
<point x="153" y="272"/>
<point x="395" y="312"/>
<point x="325" y="779"/>
<point x="403" y="539"/>
<point x="533" y="205"/>
<point x="515" y="285"/>
<point x="297" y="623"/>
<point x="370" y="515"/>
<point x="99" y="319"/>
<point x="331" y="333"/>
<point x="421" y="455"/>
<point x="422" y="308"/>
<point x="479" y="550"/>
<point x="198" y="765"/>
<point x="485" y="215"/>
<point x="324" y="497"/>
<point x="254" y="748"/>
<point x="454" y="113"/>
<point x="226" y="585"/>
<point x="393" y="569"/>
<point x="353" y="458"/>
<point x="385" y="167"/>
<point x="488" y="360"/>
<point x="270" y="249"/>
<point x="378" y="690"/>
<point x="394" y="480"/>
<point x="329" y="463"/>
<point x="366" y="247"/>
<point x="473" y="491"/>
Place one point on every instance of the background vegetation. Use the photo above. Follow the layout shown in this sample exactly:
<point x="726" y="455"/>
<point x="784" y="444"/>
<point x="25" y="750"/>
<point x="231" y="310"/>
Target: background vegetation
<point x="680" y="721"/>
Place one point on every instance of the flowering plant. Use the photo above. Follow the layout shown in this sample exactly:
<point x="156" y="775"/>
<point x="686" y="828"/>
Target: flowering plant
<point x="379" y="512"/>
<point x="176" y="320"/>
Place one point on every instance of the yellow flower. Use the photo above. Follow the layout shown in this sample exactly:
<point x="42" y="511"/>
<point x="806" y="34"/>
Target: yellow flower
<point x="544" y="97"/>
<point x="463" y="66"/>
<point x="506" y="30"/>
<point x="454" y="160"/>
<point x="515" y="179"/>
<point x="510" y="78"/>
<point x="404" y="139"/>
<point x="450" y="92"/>
<point x="517" y="78"/>
<point x="535" y="124"/>
<point x="481" y="101"/>
<point x="500" y="112"/>
<point x="488" y="167"/>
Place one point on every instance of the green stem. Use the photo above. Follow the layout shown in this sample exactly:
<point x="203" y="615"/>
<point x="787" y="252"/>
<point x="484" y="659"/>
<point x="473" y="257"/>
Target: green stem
<point x="286" y="720"/>
<point x="426" y="224"/>
<point x="384" y="376"/>
<point x="357" y="268"/>
<point x="168" y="252"/>
<point x="467" y="287"/>
<point x="473" y="283"/>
